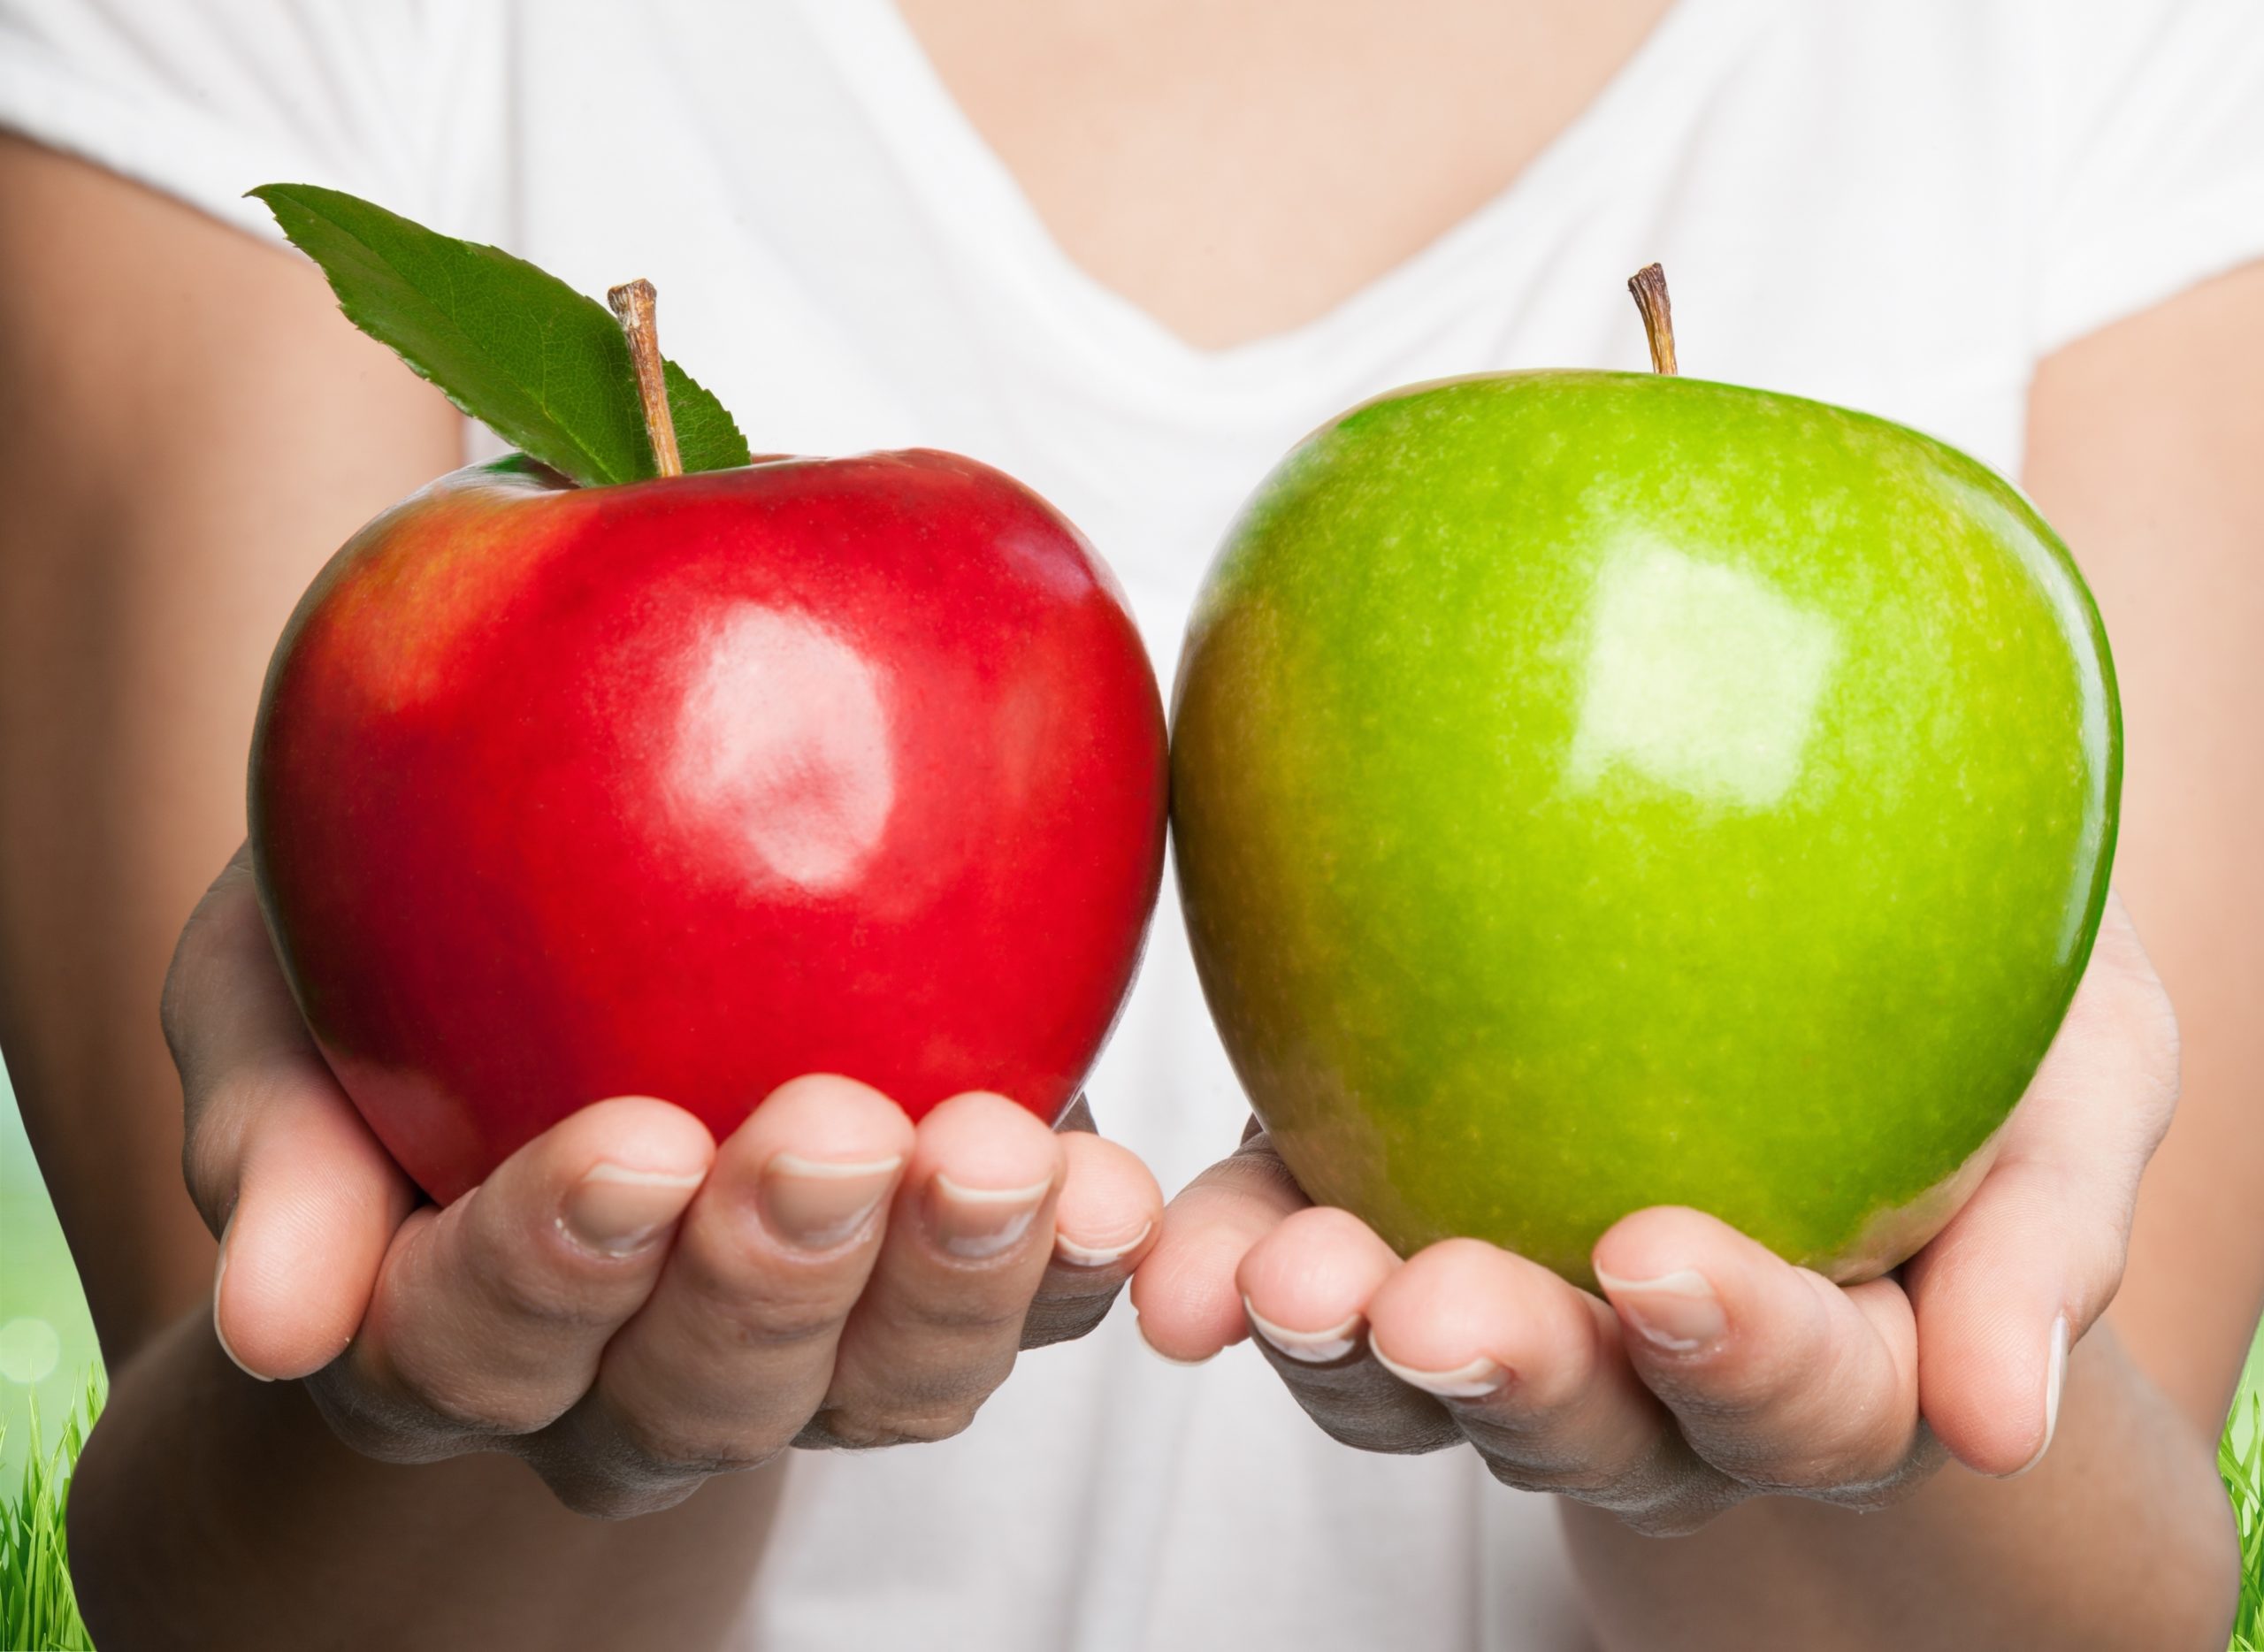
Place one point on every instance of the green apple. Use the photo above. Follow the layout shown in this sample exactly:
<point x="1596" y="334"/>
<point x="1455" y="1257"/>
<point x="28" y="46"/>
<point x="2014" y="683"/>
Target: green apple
<point x="1595" y="791"/>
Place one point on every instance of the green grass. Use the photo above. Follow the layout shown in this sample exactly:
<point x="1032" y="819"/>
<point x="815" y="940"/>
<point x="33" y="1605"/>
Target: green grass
<point x="2240" y="1460"/>
<point x="38" y="1612"/>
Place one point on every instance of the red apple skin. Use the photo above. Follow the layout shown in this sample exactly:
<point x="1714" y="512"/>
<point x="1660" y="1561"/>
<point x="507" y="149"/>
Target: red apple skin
<point x="687" y="787"/>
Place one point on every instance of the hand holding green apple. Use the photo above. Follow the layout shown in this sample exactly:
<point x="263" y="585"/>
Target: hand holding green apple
<point x="1710" y="1371"/>
<point x="1644" y="834"/>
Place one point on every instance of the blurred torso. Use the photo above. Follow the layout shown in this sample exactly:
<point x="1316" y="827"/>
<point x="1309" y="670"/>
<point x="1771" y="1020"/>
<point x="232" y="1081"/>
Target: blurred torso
<point x="1239" y="168"/>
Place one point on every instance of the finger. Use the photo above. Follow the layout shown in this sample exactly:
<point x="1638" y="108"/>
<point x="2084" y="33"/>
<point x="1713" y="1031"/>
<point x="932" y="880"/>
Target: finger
<point x="1531" y="1372"/>
<point x="1775" y="1376"/>
<point x="490" y="1316"/>
<point x="1188" y="1303"/>
<point x="1306" y="1288"/>
<point x="1104" y="1222"/>
<point x="2031" y="1261"/>
<point x="304" y="1198"/>
<point x="969" y="1236"/>
<point x="735" y="1347"/>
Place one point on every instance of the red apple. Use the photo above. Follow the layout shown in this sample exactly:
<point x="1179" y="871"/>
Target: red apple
<point x="685" y="787"/>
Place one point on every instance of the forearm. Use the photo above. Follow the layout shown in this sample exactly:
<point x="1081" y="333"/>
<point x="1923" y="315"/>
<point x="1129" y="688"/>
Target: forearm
<point x="210" y="1510"/>
<point x="2122" y="1537"/>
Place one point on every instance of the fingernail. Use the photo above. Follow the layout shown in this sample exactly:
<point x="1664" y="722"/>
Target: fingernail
<point x="1676" y="1312"/>
<point x="1098" y="1256"/>
<point x="1473" y="1381"/>
<point x="615" y="1210"/>
<point x="2056" y="1373"/>
<point x="819" y="1203"/>
<point x="1169" y="1359"/>
<point x="218" y="1274"/>
<point x="978" y="1222"/>
<point x="1312" y="1348"/>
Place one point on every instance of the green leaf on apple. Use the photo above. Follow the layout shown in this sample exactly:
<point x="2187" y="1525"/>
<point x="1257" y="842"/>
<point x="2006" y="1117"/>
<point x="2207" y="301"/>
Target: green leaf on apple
<point x="543" y="366"/>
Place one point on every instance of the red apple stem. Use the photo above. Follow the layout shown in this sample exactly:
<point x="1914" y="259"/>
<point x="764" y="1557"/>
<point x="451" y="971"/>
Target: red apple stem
<point x="632" y="304"/>
<point x="1649" y="285"/>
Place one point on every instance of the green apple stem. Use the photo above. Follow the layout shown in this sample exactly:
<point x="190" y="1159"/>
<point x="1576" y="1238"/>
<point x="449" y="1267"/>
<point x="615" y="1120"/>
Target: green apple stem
<point x="1649" y="285"/>
<point x="632" y="304"/>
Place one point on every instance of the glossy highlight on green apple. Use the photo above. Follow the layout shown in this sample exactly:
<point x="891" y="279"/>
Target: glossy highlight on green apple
<point x="1594" y="791"/>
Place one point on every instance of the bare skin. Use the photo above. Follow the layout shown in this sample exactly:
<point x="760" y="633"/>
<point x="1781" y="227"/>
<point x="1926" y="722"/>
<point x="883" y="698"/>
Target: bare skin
<point x="138" y="599"/>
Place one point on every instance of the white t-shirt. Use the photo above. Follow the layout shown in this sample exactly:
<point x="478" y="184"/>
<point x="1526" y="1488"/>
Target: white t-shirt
<point x="1897" y="207"/>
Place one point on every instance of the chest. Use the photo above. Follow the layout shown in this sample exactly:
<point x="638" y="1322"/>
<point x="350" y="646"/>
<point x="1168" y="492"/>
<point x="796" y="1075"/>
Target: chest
<point x="1236" y="168"/>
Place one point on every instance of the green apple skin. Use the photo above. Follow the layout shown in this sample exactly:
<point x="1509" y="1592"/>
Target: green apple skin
<point x="1594" y="790"/>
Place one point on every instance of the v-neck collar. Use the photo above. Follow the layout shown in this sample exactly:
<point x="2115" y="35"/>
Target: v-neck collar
<point x="993" y="222"/>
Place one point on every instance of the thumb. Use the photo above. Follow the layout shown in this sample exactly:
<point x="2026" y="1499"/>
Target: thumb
<point x="303" y="1196"/>
<point x="315" y="1203"/>
<point x="1184" y="1290"/>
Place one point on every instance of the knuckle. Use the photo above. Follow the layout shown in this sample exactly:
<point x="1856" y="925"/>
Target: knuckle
<point x="381" y="1445"/>
<point x="460" y="1403"/>
<point x="526" y="1290"/>
<point x="596" y="1496"/>
<point x="1846" y="1474"/>
<point x="667" y="1452"/>
<point x="868" y="1429"/>
<point x="1542" y="1463"/>
<point x="751" y="1299"/>
<point x="779" y="1325"/>
<point x="384" y="1431"/>
<point x="419" y="1388"/>
<point x="493" y="1416"/>
<point x="974" y="1317"/>
<point x="522" y="1293"/>
<point x="1871" y="1486"/>
<point x="919" y="1407"/>
<point x="1737" y="1395"/>
<point x="1255" y="1166"/>
<point x="743" y="1309"/>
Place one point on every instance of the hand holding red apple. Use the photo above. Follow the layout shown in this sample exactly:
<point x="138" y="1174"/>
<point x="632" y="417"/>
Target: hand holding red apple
<point x="632" y="765"/>
<point x="626" y="1303"/>
<point x="1708" y="1372"/>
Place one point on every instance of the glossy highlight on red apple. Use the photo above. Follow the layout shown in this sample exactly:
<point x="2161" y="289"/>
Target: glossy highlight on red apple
<point x="687" y="787"/>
